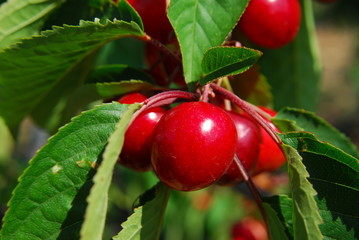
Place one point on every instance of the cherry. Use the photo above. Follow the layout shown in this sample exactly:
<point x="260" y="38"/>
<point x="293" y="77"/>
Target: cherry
<point x="271" y="23"/>
<point x="194" y="144"/>
<point x="248" y="143"/>
<point x="154" y="18"/>
<point x="136" y="150"/>
<point x="270" y="156"/>
<point x="249" y="229"/>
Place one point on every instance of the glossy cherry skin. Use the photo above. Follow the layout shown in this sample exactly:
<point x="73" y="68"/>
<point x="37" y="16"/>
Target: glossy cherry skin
<point x="248" y="144"/>
<point x="249" y="229"/>
<point x="271" y="23"/>
<point x="194" y="144"/>
<point x="154" y="18"/>
<point x="136" y="150"/>
<point x="270" y="157"/>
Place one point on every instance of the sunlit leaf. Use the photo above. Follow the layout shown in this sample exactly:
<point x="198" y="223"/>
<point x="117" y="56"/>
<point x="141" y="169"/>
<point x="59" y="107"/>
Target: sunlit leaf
<point x="49" y="201"/>
<point x="223" y="61"/>
<point x="95" y="216"/>
<point x="200" y="25"/>
<point x="146" y="222"/>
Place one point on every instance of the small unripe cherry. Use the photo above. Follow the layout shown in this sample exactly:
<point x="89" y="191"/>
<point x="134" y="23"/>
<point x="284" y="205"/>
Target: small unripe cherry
<point x="270" y="157"/>
<point x="136" y="150"/>
<point x="248" y="144"/>
<point x="194" y="144"/>
<point x="271" y="23"/>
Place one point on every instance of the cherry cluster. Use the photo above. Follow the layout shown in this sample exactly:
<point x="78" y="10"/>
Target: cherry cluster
<point x="193" y="144"/>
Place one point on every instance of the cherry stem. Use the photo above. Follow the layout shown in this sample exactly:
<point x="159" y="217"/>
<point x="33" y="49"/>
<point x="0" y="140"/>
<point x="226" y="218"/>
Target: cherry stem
<point x="162" y="48"/>
<point x="250" y="110"/>
<point x="206" y="90"/>
<point x="164" y="98"/>
<point x="252" y="188"/>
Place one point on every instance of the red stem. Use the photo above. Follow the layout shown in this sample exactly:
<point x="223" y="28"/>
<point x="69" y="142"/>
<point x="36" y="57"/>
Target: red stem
<point x="164" y="98"/>
<point x="162" y="48"/>
<point x="252" y="188"/>
<point x="250" y="109"/>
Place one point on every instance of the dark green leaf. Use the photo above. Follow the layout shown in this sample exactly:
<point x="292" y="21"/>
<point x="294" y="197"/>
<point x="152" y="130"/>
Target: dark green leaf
<point x="94" y="223"/>
<point x="45" y="64"/>
<point x="118" y="88"/>
<point x="294" y="71"/>
<point x="334" y="176"/>
<point x="276" y="228"/>
<point x="128" y="14"/>
<point x="308" y="121"/>
<point x="71" y="11"/>
<point x="23" y="18"/>
<point x="306" y="217"/>
<point x="49" y="201"/>
<point x="200" y="25"/>
<point x="261" y="94"/>
<point x="223" y="61"/>
<point x="116" y="73"/>
<point x="146" y="222"/>
<point x="283" y="205"/>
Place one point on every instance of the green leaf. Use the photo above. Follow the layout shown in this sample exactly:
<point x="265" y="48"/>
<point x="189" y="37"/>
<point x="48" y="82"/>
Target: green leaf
<point x="306" y="216"/>
<point x="7" y="142"/>
<point x="283" y="206"/>
<point x="261" y="94"/>
<point x="308" y="121"/>
<point x="146" y="222"/>
<point x="23" y="18"/>
<point x="95" y="216"/>
<point x="276" y="229"/>
<point x="24" y="81"/>
<point x="200" y="25"/>
<point x="223" y="61"/>
<point x="128" y="14"/>
<point x="116" y="73"/>
<point x="294" y="70"/>
<point x="49" y="201"/>
<point x="118" y="88"/>
<point x="334" y="176"/>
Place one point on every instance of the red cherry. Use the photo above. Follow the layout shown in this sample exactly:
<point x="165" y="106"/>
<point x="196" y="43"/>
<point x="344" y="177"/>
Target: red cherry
<point x="154" y="17"/>
<point x="136" y="150"/>
<point x="271" y="23"/>
<point x="132" y="98"/>
<point x="248" y="143"/>
<point x="270" y="156"/>
<point x="194" y="144"/>
<point x="249" y="229"/>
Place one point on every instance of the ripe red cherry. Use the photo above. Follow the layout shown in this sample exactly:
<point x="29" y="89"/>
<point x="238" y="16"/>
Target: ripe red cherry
<point x="271" y="23"/>
<point x="154" y="18"/>
<point x="249" y="229"/>
<point x="270" y="156"/>
<point x="194" y="144"/>
<point x="136" y="150"/>
<point x="248" y="143"/>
